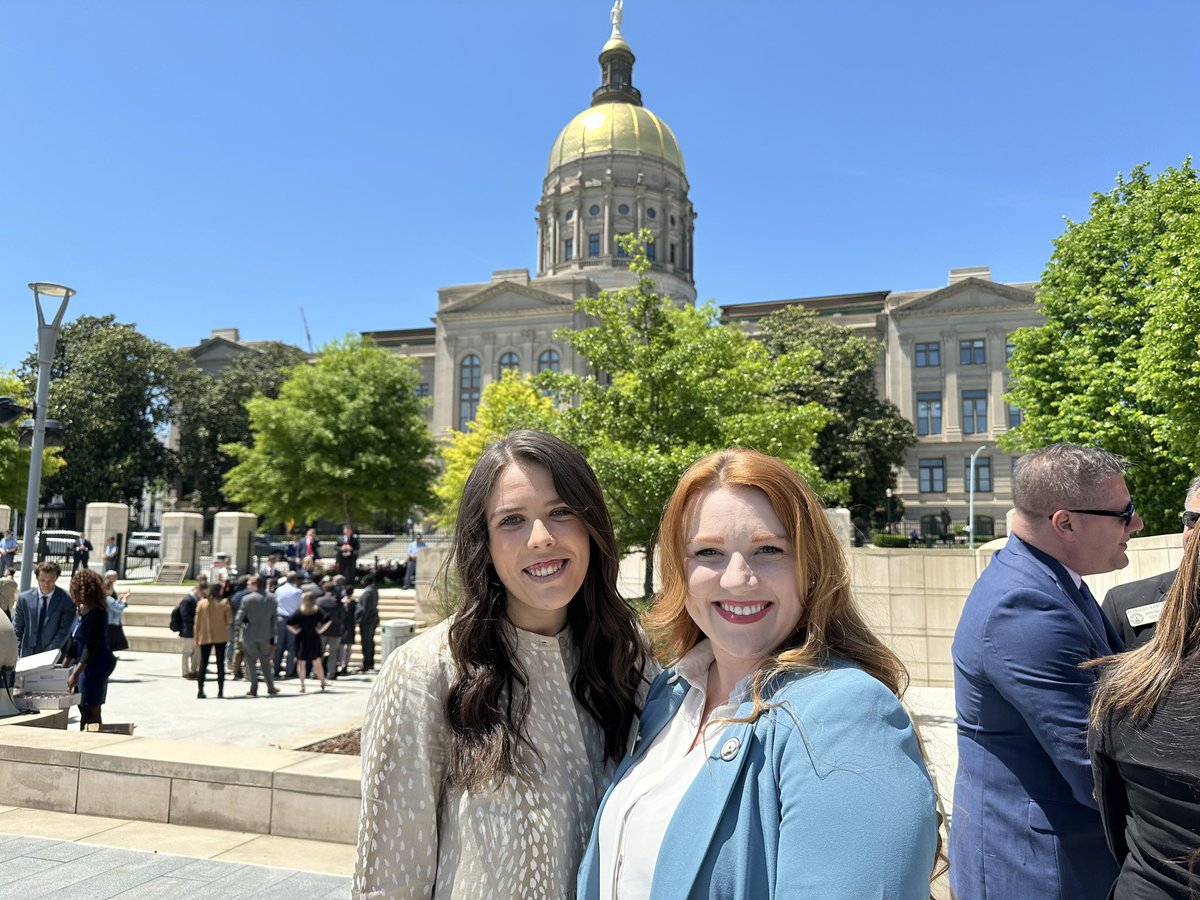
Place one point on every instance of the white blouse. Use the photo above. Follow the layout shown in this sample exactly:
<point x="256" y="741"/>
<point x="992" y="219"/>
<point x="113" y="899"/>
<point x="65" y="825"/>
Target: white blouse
<point x="419" y="839"/>
<point x="644" y="801"/>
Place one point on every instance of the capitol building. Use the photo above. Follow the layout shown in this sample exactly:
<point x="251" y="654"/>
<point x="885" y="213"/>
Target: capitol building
<point x="615" y="168"/>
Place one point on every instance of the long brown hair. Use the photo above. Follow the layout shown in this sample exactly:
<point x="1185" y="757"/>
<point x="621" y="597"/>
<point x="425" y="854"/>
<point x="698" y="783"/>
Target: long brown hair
<point x="487" y="705"/>
<point x="830" y="626"/>
<point x="1137" y="681"/>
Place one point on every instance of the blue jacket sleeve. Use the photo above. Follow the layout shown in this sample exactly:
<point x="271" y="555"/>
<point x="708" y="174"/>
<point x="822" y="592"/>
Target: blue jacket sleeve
<point x="852" y="780"/>
<point x="1033" y="644"/>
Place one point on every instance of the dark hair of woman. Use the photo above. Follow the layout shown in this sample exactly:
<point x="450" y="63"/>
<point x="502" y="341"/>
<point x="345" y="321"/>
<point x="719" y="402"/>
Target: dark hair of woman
<point x="215" y="592"/>
<point x="1137" y="681"/>
<point x="487" y="704"/>
<point x="87" y="588"/>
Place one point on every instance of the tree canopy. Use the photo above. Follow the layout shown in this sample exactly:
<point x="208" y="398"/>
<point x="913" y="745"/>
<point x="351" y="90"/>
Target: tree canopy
<point x="1117" y="363"/>
<point x="14" y="462"/>
<point x="865" y="438"/>
<point x="112" y="388"/>
<point x="505" y="405"/>
<point x="345" y="437"/>
<point x="212" y="413"/>
<point x="674" y="386"/>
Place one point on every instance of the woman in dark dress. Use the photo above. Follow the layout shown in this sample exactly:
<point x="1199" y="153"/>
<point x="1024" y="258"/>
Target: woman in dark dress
<point x="88" y="650"/>
<point x="308" y="623"/>
<point x="1144" y="740"/>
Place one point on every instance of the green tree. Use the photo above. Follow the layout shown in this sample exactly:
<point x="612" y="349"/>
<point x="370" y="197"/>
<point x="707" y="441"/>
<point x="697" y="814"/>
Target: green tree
<point x="345" y="437"/>
<point x="14" y="462"/>
<point x="675" y="385"/>
<point x="212" y="413"/>
<point x="865" y="439"/>
<point x="506" y="405"/>
<point x="113" y="389"/>
<point x="1115" y="363"/>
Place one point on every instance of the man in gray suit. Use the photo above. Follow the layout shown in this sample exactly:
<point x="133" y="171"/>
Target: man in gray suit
<point x="1134" y="608"/>
<point x="256" y="618"/>
<point x="44" y="613"/>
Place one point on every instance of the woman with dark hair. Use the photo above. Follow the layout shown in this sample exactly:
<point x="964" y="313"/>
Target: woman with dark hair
<point x="1145" y="746"/>
<point x="489" y="739"/>
<point x="87" y="653"/>
<point x="308" y="623"/>
<point x="214" y="615"/>
<point x="774" y="759"/>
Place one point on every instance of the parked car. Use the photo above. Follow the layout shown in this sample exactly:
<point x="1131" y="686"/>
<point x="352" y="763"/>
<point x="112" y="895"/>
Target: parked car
<point x="264" y="546"/>
<point x="144" y="543"/>
<point x="59" y="542"/>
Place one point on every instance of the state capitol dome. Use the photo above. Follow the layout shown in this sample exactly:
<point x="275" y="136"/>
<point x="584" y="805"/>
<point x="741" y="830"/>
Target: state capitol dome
<point x="615" y="126"/>
<point x="616" y="169"/>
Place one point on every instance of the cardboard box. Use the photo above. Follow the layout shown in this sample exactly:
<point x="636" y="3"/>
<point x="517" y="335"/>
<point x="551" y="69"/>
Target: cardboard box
<point x="41" y="702"/>
<point x="45" y="681"/>
<point x="116" y="728"/>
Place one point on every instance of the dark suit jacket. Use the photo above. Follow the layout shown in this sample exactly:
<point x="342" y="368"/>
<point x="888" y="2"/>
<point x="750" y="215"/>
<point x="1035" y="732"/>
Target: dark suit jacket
<point x="1025" y="823"/>
<point x="60" y="615"/>
<point x="1133" y="598"/>
<point x="1148" y="785"/>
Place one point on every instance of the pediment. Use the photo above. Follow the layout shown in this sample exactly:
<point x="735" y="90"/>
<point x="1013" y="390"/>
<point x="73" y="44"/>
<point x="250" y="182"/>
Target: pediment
<point x="968" y="296"/>
<point x="506" y="298"/>
<point x="218" y="348"/>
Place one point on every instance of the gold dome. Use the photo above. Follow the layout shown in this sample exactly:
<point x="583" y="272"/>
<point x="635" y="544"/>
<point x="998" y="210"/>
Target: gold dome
<point x="615" y="126"/>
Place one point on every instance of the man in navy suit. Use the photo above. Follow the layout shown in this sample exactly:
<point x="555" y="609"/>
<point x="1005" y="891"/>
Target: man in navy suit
<point x="1025" y="821"/>
<point x="44" y="613"/>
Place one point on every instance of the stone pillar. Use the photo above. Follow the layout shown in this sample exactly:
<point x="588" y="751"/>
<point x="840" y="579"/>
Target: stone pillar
<point x="233" y="533"/>
<point x="6" y="518"/>
<point x="102" y="521"/>
<point x="181" y="533"/>
<point x="839" y="519"/>
<point x="429" y="607"/>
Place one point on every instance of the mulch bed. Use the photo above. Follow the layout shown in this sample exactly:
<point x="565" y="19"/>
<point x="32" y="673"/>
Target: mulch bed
<point x="346" y="744"/>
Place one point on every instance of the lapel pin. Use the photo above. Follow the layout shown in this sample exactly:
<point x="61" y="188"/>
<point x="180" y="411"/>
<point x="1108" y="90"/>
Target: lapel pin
<point x="730" y="749"/>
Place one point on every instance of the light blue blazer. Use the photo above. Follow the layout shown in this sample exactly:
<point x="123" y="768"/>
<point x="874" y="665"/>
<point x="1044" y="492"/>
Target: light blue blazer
<point x="824" y="797"/>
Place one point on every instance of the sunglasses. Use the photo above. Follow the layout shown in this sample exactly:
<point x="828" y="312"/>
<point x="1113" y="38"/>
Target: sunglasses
<point x="1190" y="518"/>
<point x="1125" y="514"/>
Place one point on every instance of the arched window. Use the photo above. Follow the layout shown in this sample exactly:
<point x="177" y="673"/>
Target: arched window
<point x="548" y="361"/>
<point x="509" y="360"/>
<point x="469" y="374"/>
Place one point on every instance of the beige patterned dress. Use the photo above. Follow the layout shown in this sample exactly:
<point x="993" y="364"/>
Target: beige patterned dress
<point x="419" y="839"/>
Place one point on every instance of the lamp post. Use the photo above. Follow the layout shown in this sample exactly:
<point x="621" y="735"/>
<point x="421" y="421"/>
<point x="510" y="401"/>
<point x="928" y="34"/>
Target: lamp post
<point x="47" y="341"/>
<point x="971" y="501"/>
<point x="888" y="493"/>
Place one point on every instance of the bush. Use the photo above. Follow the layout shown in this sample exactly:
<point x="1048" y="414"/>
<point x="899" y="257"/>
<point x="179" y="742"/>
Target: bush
<point x="881" y="539"/>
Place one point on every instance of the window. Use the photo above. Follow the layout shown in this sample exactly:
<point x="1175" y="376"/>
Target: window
<point x="1015" y="416"/>
<point x="469" y="372"/>
<point x="621" y="251"/>
<point x="623" y="209"/>
<point x="568" y="249"/>
<point x="509" y="360"/>
<point x="570" y="214"/>
<point x="650" y="253"/>
<point x="423" y="389"/>
<point x="548" y="361"/>
<point x="1009" y="346"/>
<point x="650" y="213"/>
<point x="932" y="476"/>
<point x="928" y="354"/>
<point x="972" y="352"/>
<point x="929" y="413"/>
<point x="593" y="245"/>
<point x="672" y="254"/>
<point x="974" y="412"/>
<point x="594" y="211"/>
<point x="983" y="474"/>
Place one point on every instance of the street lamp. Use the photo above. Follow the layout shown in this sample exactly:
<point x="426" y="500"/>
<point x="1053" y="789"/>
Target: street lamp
<point x="888" y="493"/>
<point x="971" y="501"/>
<point x="47" y="341"/>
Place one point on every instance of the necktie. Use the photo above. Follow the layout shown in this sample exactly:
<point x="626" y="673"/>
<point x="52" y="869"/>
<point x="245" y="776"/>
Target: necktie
<point x="41" y="619"/>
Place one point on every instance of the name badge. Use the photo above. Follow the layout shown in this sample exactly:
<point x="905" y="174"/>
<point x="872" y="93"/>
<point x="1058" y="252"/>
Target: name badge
<point x="1144" y="615"/>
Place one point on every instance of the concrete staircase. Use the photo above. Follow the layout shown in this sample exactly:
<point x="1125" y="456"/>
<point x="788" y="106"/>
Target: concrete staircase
<point x="147" y="619"/>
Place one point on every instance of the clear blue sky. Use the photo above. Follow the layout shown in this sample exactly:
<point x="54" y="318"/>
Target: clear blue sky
<point x="188" y="165"/>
